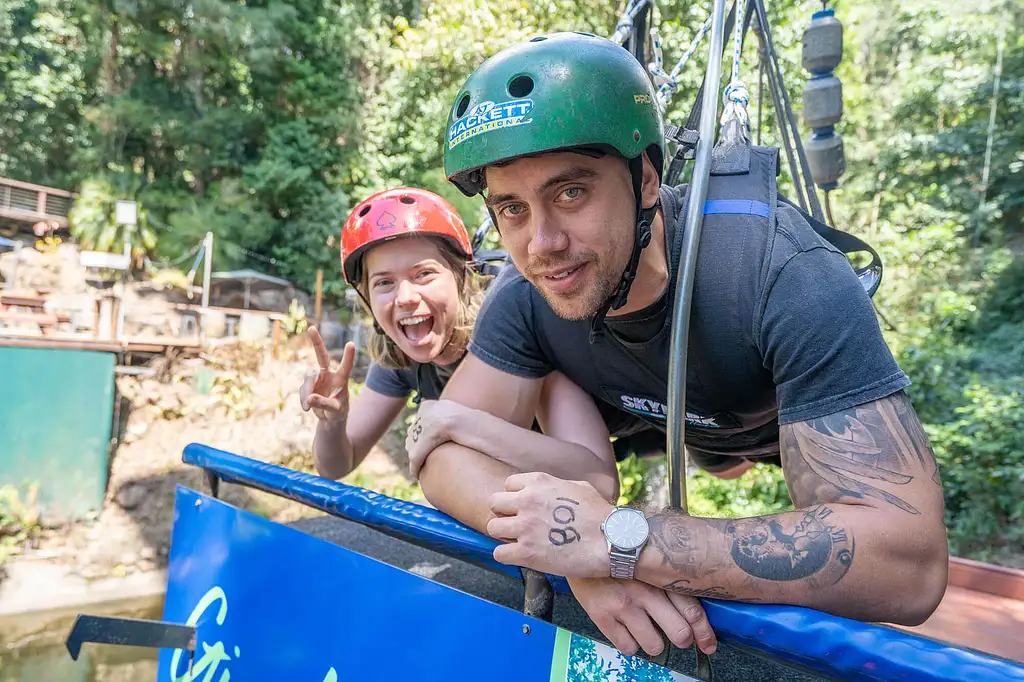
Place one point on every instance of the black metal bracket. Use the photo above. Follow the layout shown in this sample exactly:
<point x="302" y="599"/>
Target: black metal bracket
<point x="539" y="601"/>
<point x="129" y="632"/>
<point x="212" y="480"/>
<point x="703" y="671"/>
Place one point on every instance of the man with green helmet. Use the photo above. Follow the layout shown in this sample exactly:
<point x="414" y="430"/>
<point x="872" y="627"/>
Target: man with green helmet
<point x="787" y="364"/>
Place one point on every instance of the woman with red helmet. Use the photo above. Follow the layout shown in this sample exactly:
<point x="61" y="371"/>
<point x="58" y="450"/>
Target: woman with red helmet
<point x="408" y="255"/>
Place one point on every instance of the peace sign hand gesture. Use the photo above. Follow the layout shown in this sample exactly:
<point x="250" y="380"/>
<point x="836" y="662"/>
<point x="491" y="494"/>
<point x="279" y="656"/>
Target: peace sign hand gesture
<point x="326" y="391"/>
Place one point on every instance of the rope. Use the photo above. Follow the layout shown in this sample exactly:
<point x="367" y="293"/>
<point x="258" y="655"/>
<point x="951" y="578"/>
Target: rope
<point x="180" y="259"/>
<point x="667" y="83"/>
<point x="252" y="254"/>
<point x="625" y="24"/>
<point x="736" y="97"/>
<point x="991" y="133"/>
<point x="195" y="266"/>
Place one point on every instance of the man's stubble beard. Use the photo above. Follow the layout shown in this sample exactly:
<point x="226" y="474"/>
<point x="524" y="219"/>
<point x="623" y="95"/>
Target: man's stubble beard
<point x="586" y="302"/>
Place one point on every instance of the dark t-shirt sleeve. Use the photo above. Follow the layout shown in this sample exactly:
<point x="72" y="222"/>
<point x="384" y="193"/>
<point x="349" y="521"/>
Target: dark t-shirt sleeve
<point x="504" y="336"/>
<point x="389" y="382"/>
<point x="821" y="340"/>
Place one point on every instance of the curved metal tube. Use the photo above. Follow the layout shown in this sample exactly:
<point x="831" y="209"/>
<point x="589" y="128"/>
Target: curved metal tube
<point x="676" y="423"/>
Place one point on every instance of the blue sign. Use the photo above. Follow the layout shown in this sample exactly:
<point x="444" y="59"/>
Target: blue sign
<point x="273" y="603"/>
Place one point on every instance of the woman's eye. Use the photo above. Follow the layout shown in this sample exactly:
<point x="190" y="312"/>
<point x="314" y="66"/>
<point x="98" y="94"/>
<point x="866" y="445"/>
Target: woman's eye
<point x="424" y="274"/>
<point x="381" y="283"/>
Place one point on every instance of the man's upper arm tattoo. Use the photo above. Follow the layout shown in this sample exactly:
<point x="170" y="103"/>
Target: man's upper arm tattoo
<point x="857" y="450"/>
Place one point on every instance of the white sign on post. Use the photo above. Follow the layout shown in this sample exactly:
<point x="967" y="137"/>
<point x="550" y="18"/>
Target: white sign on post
<point x="126" y="212"/>
<point x="102" y="259"/>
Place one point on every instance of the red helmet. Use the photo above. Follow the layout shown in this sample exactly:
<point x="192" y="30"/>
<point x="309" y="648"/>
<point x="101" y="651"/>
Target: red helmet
<point x="395" y="213"/>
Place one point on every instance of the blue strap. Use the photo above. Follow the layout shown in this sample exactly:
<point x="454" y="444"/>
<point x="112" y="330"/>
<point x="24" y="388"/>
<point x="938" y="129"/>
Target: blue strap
<point x="736" y="207"/>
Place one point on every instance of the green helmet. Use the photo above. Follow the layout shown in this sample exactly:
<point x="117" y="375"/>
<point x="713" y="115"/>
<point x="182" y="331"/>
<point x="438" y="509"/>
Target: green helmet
<point x="558" y="91"/>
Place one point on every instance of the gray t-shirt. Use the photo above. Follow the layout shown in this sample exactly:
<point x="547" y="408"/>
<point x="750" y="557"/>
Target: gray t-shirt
<point x="426" y="380"/>
<point x="782" y="331"/>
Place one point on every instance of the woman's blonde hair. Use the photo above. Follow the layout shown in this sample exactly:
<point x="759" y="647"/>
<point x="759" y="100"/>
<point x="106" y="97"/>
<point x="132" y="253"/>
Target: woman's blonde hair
<point x="471" y="285"/>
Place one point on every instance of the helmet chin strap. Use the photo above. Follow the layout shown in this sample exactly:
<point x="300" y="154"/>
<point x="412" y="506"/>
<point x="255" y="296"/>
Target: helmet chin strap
<point x="641" y="239"/>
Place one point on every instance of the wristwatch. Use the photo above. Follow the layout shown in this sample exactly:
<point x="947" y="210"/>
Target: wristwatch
<point x="626" y="531"/>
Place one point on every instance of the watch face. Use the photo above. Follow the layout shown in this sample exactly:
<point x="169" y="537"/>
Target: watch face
<point x="626" y="528"/>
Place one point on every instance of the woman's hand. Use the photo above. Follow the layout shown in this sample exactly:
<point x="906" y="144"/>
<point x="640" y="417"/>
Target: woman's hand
<point x="437" y="422"/>
<point x="325" y="391"/>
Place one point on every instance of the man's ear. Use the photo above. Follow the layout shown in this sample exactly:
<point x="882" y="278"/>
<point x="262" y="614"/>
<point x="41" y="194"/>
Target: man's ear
<point x="649" y="188"/>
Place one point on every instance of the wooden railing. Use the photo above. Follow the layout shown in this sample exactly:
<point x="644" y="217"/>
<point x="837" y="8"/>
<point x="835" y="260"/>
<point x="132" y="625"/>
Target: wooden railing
<point x="30" y="203"/>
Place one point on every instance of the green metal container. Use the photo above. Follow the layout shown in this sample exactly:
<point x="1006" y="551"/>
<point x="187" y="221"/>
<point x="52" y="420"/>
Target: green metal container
<point x="56" y="420"/>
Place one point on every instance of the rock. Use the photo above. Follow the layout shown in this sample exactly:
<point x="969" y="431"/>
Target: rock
<point x="130" y="496"/>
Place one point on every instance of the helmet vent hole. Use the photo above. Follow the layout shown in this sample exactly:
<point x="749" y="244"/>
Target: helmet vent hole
<point x="589" y="35"/>
<point x="538" y="39"/>
<point x="521" y="86"/>
<point x="407" y="200"/>
<point x="636" y="135"/>
<point x="364" y="210"/>
<point x="460" y="111"/>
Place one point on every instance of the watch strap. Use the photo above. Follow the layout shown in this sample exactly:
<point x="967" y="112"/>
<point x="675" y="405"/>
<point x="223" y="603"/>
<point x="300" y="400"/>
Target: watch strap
<point x="623" y="564"/>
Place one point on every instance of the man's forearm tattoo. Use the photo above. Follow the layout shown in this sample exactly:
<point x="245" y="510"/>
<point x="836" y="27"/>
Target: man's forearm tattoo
<point x="804" y="545"/>
<point x="682" y="586"/>
<point x="563" y="515"/>
<point x="783" y="548"/>
<point x="680" y="546"/>
<point x="856" y="451"/>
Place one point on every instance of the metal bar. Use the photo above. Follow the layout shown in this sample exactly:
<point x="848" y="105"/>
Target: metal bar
<point x="784" y="132"/>
<point x="638" y="39"/>
<point x="812" y="196"/>
<point x="684" y="276"/>
<point x="129" y="632"/>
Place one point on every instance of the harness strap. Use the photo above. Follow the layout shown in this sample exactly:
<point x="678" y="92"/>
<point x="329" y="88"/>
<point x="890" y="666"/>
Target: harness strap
<point x="870" y="275"/>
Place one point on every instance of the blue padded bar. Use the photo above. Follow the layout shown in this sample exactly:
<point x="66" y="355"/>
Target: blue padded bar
<point x="407" y="521"/>
<point x="736" y="207"/>
<point x="850" y="649"/>
<point x="837" y="647"/>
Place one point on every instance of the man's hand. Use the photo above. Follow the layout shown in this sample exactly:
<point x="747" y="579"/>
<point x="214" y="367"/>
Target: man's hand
<point x="436" y="421"/>
<point x="550" y="525"/>
<point x="326" y="391"/>
<point x="626" y="611"/>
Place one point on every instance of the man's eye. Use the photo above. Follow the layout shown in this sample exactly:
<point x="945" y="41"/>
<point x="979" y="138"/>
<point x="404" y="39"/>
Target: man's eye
<point x="513" y="210"/>
<point x="573" y="193"/>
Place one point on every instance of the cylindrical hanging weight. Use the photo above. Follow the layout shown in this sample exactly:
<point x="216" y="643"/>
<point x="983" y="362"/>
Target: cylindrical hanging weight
<point x="823" y="42"/>
<point x="826" y="159"/>
<point x="823" y="101"/>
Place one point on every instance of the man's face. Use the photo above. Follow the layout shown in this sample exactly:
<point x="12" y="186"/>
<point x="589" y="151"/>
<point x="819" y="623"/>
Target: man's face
<point x="568" y="221"/>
